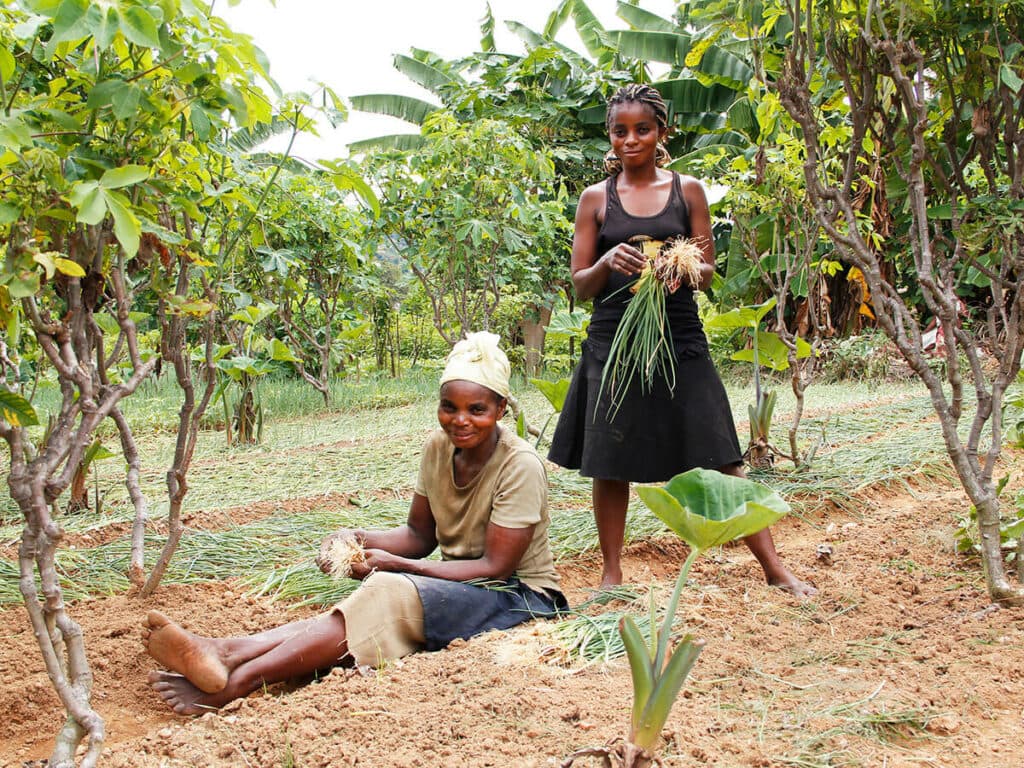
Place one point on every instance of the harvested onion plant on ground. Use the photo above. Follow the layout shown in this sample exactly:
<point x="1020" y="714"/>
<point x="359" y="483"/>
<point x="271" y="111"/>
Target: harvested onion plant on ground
<point x="643" y="342"/>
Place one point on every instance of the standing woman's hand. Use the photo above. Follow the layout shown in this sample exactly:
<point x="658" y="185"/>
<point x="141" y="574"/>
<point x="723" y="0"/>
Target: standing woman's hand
<point x="625" y="259"/>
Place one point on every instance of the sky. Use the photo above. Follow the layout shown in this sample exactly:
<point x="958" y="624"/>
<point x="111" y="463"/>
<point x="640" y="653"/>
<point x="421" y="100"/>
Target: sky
<point x="349" y="45"/>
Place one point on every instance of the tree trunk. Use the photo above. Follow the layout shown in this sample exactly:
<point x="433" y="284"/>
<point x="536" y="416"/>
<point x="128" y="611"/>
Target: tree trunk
<point x="532" y="327"/>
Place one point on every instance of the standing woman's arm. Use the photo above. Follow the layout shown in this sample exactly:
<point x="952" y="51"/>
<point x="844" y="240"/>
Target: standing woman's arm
<point x="589" y="271"/>
<point x="700" y="227"/>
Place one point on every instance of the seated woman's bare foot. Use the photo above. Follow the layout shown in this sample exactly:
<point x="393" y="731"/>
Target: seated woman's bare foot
<point x="181" y="696"/>
<point x="195" y="657"/>
<point x="785" y="580"/>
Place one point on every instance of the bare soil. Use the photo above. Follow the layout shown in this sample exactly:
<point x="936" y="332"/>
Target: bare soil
<point x="899" y="661"/>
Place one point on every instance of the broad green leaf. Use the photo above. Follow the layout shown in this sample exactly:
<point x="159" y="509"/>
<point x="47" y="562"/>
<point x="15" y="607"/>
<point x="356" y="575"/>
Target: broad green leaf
<point x="667" y="47"/>
<point x="281" y="351"/>
<point x="23" y="285"/>
<point x="103" y="23"/>
<point x="139" y="26"/>
<point x="14" y="132"/>
<point x="1013" y="530"/>
<point x="1010" y="78"/>
<point x="643" y="20"/>
<point x="554" y="391"/>
<point x="200" y="122"/>
<point x="88" y="199"/>
<point x="7" y="64"/>
<point x="566" y="325"/>
<point x="68" y="267"/>
<point x="102" y="94"/>
<point x="771" y="352"/>
<point x="125" y="101"/>
<point x="9" y="213"/>
<point x="16" y="410"/>
<point x="422" y="74"/>
<point x="403" y="107"/>
<point x="707" y="508"/>
<point x="403" y="142"/>
<point x="742" y="317"/>
<point x="126" y="225"/>
<point x="69" y="23"/>
<point x="124" y="176"/>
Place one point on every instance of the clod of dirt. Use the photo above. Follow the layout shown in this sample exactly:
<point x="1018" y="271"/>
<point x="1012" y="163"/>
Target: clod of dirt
<point x="824" y="554"/>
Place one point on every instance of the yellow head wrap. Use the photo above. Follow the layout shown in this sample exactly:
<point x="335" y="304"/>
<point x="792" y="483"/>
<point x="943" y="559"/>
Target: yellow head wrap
<point x="477" y="358"/>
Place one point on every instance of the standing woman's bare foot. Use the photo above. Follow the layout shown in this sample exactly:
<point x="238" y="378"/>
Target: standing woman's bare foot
<point x="787" y="581"/>
<point x="195" y="657"/>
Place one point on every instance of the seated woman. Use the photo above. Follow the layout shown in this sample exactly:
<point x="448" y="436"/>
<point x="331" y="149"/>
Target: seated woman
<point x="481" y="495"/>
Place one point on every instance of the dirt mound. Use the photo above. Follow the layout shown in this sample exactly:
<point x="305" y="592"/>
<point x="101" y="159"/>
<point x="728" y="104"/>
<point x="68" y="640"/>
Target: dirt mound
<point x="899" y="661"/>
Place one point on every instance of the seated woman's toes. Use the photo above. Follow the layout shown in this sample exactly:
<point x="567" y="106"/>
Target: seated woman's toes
<point x="194" y="657"/>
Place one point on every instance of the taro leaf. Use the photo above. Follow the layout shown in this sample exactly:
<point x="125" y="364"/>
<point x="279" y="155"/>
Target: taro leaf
<point x="771" y="352"/>
<point x="742" y="317"/>
<point x="554" y="391"/>
<point x="707" y="508"/>
<point x="565" y="325"/>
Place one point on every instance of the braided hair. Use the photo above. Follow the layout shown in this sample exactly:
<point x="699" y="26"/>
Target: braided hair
<point x="639" y="94"/>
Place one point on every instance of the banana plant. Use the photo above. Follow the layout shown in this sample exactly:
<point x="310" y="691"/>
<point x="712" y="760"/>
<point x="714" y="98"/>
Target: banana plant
<point x="705" y="509"/>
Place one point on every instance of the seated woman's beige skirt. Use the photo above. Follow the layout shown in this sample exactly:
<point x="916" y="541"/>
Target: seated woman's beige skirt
<point x="383" y="619"/>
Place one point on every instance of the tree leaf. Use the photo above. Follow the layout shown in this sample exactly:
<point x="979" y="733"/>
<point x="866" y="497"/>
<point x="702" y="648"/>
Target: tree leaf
<point x="87" y="197"/>
<point x="23" y="284"/>
<point x="103" y="23"/>
<point x="125" y="101"/>
<point x="68" y="267"/>
<point x="124" y="176"/>
<point x="14" y="131"/>
<point x="7" y="64"/>
<point x="47" y="261"/>
<point x="707" y="508"/>
<point x="139" y="26"/>
<point x="68" y="23"/>
<point x="1010" y="78"/>
<point x="16" y="410"/>
<point x="126" y="226"/>
<point x="9" y="213"/>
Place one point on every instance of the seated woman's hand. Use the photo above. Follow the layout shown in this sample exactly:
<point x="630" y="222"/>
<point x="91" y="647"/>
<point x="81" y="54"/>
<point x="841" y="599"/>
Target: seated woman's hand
<point x="323" y="559"/>
<point x="376" y="560"/>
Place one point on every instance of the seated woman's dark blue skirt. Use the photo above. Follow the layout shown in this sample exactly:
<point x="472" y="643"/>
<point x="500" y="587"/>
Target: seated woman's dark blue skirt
<point x="455" y="609"/>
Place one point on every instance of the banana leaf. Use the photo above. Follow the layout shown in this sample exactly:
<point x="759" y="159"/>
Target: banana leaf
<point x="706" y="508"/>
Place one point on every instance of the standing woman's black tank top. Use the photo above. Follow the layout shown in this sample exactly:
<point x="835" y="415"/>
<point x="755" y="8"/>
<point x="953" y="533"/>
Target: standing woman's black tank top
<point x="610" y="304"/>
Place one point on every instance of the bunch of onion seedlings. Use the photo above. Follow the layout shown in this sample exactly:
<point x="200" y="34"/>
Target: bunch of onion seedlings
<point x="643" y="341"/>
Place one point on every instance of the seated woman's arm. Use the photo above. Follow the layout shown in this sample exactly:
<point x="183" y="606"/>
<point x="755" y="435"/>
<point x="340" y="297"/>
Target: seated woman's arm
<point x="415" y="539"/>
<point x="395" y="551"/>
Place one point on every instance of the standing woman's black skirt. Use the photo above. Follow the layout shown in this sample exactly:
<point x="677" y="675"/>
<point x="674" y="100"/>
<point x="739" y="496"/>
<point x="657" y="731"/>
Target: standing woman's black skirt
<point x="655" y="434"/>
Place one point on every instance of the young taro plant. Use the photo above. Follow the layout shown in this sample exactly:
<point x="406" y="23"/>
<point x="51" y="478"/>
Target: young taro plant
<point x="769" y="350"/>
<point x="243" y="417"/>
<point x="706" y="509"/>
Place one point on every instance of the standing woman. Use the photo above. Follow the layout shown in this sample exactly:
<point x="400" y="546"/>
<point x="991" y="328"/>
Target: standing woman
<point x="658" y="433"/>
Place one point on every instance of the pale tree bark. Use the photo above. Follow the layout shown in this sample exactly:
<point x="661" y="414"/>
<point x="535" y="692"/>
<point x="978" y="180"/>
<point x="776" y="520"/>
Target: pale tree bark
<point x="885" y="77"/>
<point x="175" y="351"/>
<point x="533" y="326"/>
<point x="72" y="345"/>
